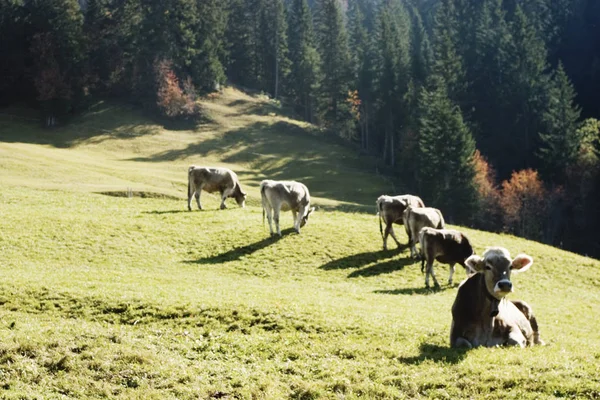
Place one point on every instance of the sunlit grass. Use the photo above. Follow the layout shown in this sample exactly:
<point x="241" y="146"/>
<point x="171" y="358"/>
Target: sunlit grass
<point x="118" y="297"/>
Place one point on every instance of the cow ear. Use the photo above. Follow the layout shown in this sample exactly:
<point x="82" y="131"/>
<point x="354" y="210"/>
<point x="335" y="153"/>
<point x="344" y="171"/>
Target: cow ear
<point x="404" y="202"/>
<point x="521" y="263"/>
<point x="475" y="262"/>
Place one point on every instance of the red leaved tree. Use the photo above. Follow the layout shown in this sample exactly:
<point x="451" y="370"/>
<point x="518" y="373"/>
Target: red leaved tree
<point x="488" y="214"/>
<point x="523" y="203"/>
<point x="171" y="99"/>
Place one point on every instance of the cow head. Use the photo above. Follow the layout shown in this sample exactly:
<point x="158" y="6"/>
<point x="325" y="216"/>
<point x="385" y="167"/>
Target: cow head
<point x="239" y="196"/>
<point x="305" y="217"/>
<point x="496" y="265"/>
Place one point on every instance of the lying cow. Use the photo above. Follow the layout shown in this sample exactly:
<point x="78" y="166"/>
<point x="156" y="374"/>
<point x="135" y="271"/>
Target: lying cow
<point x="286" y="196"/>
<point x="481" y="315"/>
<point x="447" y="246"/>
<point x="390" y="210"/>
<point x="211" y="180"/>
<point x="416" y="219"/>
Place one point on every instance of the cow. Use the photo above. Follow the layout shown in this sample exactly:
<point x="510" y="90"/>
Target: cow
<point x="390" y="209"/>
<point x="481" y="315"/>
<point x="416" y="219"/>
<point x="209" y="179"/>
<point x="446" y="246"/>
<point x="287" y="196"/>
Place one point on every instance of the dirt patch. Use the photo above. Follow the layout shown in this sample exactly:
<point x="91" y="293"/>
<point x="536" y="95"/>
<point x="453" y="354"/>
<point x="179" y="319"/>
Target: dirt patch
<point x="135" y="193"/>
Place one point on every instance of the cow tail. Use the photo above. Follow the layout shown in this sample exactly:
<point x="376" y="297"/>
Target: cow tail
<point x="379" y="211"/>
<point x="190" y="169"/>
<point x="262" y="201"/>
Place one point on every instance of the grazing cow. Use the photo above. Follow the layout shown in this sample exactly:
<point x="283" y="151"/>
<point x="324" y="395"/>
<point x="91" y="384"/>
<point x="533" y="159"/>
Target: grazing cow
<point x="211" y="180"/>
<point x="390" y="209"/>
<point x="481" y="315"/>
<point x="416" y="219"/>
<point x="287" y="196"/>
<point x="447" y="246"/>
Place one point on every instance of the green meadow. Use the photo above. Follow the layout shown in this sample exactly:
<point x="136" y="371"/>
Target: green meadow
<point x="105" y="295"/>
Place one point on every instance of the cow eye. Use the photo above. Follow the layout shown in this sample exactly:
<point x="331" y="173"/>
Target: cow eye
<point x="488" y="267"/>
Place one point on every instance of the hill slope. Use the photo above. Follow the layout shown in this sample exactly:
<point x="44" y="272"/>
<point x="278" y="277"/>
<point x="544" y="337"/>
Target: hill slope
<point x="118" y="297"/>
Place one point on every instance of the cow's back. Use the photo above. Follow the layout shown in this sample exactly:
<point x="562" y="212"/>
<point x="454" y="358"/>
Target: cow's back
<point x="288" y="194"/>
<point x="419" y="218"/>
<point x="213" y="179"/>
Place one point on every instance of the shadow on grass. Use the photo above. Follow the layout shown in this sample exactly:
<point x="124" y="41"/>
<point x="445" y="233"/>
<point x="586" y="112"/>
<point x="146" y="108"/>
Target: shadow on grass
<point x="410" y="291"/>
<point x="156" y="212"/>
<point x="239" y="252"/>
<point x="358" y="260"/>
<point x="435" y="353"/>
<point x="382" y="268"/>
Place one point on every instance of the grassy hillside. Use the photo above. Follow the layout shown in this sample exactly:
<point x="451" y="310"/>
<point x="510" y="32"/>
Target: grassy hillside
<point x="117" y="297"/>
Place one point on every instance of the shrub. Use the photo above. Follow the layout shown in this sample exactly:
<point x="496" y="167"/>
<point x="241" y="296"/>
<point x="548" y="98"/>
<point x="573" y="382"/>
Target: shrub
<point x="173" y="100"/>
<point x="488" y="214"/>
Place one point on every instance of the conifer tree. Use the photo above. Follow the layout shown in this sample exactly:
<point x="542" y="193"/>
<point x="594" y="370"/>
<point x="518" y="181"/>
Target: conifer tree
<point x="448" y="61"/>
<point x="208" y="68"/>
<point x="332" y="43"/>
<point x="304" y="71"/>
<point x="446" y="169"/>
<point x="560" y="137"/>
<point x="275" y="45"/>
<point x="362" y="56"/>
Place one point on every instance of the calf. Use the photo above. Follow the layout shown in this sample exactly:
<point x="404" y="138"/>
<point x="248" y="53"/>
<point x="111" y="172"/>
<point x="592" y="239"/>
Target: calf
<point x="481" y="315"/>
<point x="447" y="246"/>
<point x="416" y="219"/>
<point x="287" y="196"/>
<point x="390" y="210"/>
<point x="211" y="180"/>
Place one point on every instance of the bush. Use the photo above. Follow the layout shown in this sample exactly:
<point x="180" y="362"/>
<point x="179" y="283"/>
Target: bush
<point x="523" y="203"/>
<point x="172" y="100"/>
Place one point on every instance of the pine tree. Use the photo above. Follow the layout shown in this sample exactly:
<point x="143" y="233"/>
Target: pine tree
<point x="448" y="61"/>
<point x="362" y="55"/>
<point x="393" y="77"/>
<point x="58" y="53"/>
<point x="526" y="85"/>
<point x="446" y="170"/>
<point x="332" y="41"/>
<point x="304" y="72"/>
<point x="560" y="138"/>
<point x="276" y="63"/>
<point x="208" y="68"/>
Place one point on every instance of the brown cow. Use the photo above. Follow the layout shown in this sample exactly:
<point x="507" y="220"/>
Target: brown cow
<point x="447" y="246"/>
<point x="211" y="180"/>
<point x="481" y="315"/>
<point x="287" y="196"/>
<point x="416" y="219"/>
<point x="390" y="209"/>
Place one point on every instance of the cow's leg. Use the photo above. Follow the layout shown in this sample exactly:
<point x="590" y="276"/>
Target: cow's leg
<point x="451" y="274"/>
<point x="394" y="235"/>
<point x="296" y="221"/>
<point x="198" y="192"/>
<point x="268" y="211"/>
<point x="191" y="193"/>
<point x="223" y="198"/>
<point x="386" y="233"/>
<point x="461" y="342"/>
<point x="276" y="218"/>
<point x="516" y="338"/>
<point x="430" y="272"/>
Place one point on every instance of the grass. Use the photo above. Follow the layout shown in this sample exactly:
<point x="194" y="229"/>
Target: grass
<point x="113" y="297"/>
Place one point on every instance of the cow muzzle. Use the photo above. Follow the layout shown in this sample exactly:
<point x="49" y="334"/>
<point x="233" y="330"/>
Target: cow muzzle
<point x="503" y="286"/>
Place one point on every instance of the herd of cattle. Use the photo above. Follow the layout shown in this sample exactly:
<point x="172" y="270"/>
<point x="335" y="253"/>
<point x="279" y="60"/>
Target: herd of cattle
<point x="481" y="315"/>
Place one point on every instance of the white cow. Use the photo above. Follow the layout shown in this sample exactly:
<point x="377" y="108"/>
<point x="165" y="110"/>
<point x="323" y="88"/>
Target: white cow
<point x="287" y="196"/>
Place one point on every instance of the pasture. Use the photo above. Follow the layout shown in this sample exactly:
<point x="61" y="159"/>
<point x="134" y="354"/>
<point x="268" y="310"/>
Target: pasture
<point x="108" y="296"/>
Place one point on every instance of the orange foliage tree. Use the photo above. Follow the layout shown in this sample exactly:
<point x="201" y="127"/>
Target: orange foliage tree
<point x="171" y="99"/>
<point x="488" y="210"/>
<point x="523" y="203"/>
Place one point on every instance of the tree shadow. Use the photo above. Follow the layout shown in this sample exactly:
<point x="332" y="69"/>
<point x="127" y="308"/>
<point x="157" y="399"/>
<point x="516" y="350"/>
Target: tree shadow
<point x="288" y="151"/>
<point x="238" y="252"/>
<point x="435" y="353"/>
<point x="382" y="268"/>
<point x="358" y="260"/>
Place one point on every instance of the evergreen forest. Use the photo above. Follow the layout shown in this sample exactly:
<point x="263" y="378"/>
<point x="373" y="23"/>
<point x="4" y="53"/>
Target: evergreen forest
<point x="487" y="109"/>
